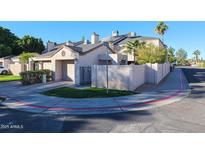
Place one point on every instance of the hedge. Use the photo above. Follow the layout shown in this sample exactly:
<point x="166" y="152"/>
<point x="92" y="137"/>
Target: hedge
<point x="32" y="77"/>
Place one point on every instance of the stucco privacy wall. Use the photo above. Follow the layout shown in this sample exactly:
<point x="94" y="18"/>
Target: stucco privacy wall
<point x="126" y="77"/>
<point x="15" y="69"/>
<point x="156" y="72"/>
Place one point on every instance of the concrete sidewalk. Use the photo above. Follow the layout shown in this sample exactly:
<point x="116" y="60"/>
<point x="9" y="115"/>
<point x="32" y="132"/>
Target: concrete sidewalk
<point x="171" y="90"/>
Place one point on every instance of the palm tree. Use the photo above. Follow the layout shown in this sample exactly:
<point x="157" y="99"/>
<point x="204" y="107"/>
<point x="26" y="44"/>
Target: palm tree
<point x="133" y="47"/>
<point x="161" y="29"/>
<point x="196" y="53"/>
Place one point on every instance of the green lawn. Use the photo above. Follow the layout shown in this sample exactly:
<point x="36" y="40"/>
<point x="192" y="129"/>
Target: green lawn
<point x="6" y="78"/>
<point x="86" y="93"/>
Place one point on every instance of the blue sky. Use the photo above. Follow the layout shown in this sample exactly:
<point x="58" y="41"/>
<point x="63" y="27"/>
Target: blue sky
<point x="187" y="35"/>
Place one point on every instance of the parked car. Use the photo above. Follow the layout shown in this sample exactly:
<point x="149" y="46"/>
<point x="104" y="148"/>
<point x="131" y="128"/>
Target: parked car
<point x="3" y="70"/>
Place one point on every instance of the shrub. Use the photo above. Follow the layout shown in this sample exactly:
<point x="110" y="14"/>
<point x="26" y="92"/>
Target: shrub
<point x="32" y="77"/>
<point x="151" y="54"/>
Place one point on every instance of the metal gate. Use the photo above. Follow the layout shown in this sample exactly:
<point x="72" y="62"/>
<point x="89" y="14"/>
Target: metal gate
<point x="85" y="75"/>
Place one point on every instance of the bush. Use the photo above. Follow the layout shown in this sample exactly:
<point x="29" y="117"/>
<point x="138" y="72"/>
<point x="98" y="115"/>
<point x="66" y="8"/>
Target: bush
<point x="151" y="54"/>
<point x="32" y="77"/>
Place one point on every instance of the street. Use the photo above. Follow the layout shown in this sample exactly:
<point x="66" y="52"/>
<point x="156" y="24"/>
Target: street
<point x="186" y="115"/>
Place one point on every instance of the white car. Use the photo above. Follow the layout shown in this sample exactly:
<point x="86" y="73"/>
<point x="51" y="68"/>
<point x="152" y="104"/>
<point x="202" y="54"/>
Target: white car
<point x="3" y="70"/>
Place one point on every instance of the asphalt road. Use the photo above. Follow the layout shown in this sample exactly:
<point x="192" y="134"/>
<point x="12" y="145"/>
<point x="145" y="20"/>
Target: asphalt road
<point x="188" y="115"/>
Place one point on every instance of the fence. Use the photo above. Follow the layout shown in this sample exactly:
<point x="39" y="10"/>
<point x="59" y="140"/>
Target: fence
<point x="125" y="77"/>
<point x="128" y="77"/>
<point x="156" y="72"/>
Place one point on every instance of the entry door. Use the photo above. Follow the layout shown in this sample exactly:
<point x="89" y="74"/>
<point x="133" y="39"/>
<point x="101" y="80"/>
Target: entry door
<point x="68" y="70"/>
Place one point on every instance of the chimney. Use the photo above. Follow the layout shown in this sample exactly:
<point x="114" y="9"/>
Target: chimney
<point x="115" y="33"/>
<point x="50" y="45"/>
<point x="131" y="34"/>
<point x="94" y="38"/>
<point x="86" y="41"/>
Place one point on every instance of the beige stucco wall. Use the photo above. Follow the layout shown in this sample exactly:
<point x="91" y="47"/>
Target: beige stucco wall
<point x="54" y="63"/>
<point x="1" y="62"/>
<point x="69" y="54"/>
<point x="137" y="76"/>
<point x="91" y="58"/>
<point x="5" y="62"/>
<point x="15" y="69"/>
<point x="123" y="77"/>
<point x="57" y="69"/>
<point x="68" y="70"/>
<point x="62" y="65"/>
<point x="128" y="77"/>
<point x="57" y="60"/>
<point x="156" y="72"/>
<point x="46" y="65"/>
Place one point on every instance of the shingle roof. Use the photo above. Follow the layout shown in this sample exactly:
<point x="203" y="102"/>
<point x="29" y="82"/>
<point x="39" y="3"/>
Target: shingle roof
<point x="88" y="47"/>
<point x="16" y="57"/>
<point x="50" y="53"/>
<point x="140" y="38"/>
<point x="81" y="49"/>
<point x="114" y="39"/>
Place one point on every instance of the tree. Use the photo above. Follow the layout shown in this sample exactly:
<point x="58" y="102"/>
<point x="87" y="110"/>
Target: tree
<point x="161" y="28"/>
<point x="196" y="53"/>
<point x="8" y="42"/>
<point x="24" y="57"/>
<point x="5" y="50"/>
<point x="31" y="44"/>
<point x="133" y="47"/>
<point x="151" y="54"/>
<point x="181" y="56"/>
<point x="171" y="56"/>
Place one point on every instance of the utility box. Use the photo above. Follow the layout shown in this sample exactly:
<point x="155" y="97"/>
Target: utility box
<point x="44" y="78"/>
